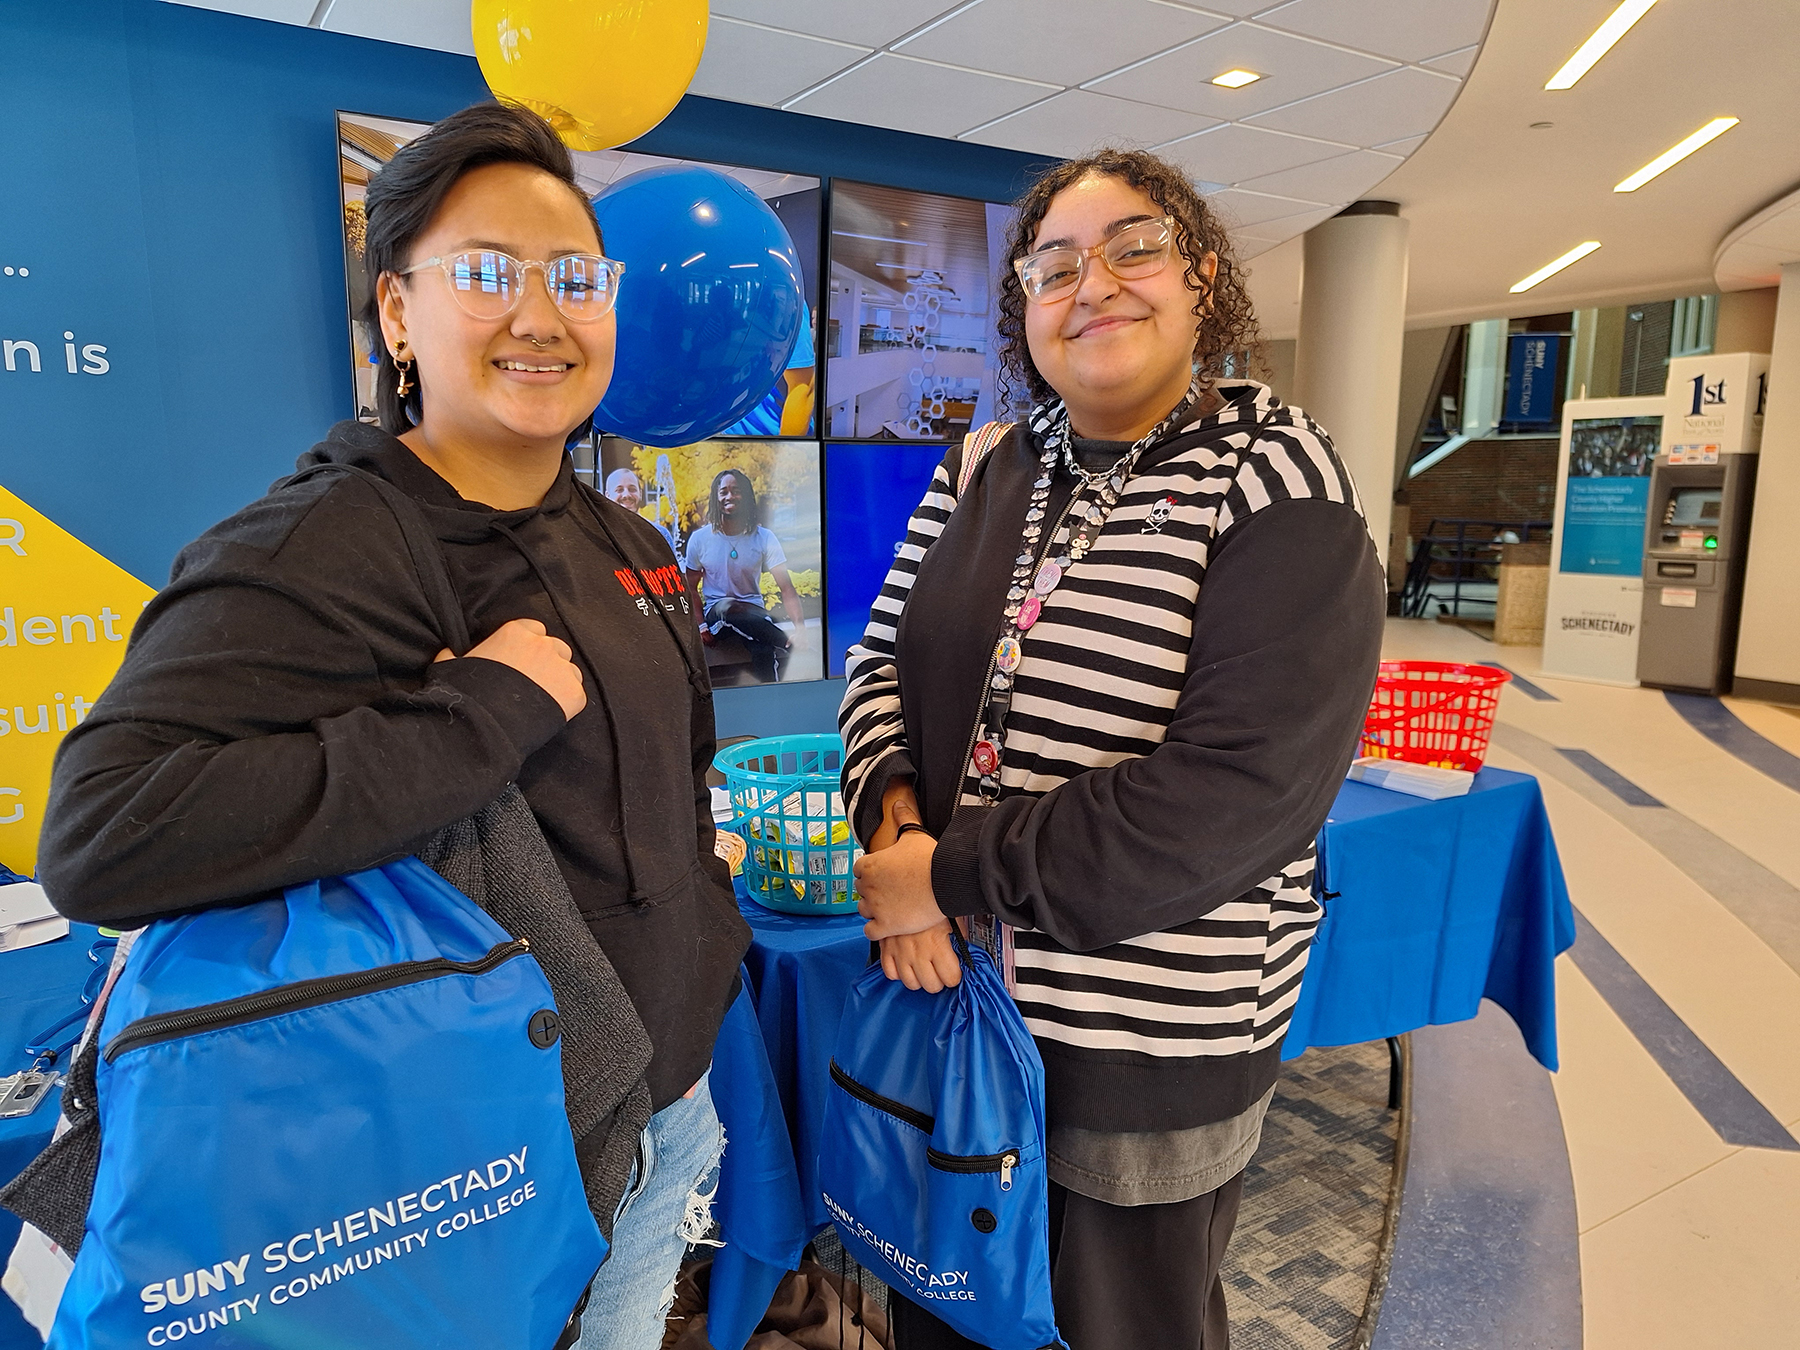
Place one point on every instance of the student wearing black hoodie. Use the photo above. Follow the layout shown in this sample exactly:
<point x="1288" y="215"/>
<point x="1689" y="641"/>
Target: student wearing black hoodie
<point x="286" y="709"/>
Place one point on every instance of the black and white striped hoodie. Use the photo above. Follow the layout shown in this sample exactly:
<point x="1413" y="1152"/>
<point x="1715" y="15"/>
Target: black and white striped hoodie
<point x="1180" y="724"/>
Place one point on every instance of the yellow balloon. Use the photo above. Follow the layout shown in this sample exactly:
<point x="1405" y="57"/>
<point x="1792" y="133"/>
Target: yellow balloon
<point x="602" y="72"/>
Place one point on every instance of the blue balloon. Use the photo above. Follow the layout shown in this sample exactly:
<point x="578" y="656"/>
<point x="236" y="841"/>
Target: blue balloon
<point x="709" y="307"/>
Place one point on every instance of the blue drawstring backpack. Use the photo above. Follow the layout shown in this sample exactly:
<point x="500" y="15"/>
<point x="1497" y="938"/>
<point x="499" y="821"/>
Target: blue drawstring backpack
<point x="932" y="1159"/>
<point x="331" y="1119"/>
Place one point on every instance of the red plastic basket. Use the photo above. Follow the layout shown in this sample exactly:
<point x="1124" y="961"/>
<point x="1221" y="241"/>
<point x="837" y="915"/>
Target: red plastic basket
<point x="1433" y="712"/>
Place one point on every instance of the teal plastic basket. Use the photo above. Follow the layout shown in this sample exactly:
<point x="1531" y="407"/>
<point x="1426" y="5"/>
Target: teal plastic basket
<point x="786" y="805"/>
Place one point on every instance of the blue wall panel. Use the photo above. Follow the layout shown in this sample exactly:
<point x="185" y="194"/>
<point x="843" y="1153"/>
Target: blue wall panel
<point x="171" y="184"/>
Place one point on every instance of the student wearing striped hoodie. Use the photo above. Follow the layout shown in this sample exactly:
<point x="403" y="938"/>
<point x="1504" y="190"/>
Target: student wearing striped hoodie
<point x="1105" y="700"/>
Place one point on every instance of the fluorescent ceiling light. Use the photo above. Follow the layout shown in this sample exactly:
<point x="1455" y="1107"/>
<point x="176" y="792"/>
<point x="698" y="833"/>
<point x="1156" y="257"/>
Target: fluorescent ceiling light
<point x="1550" y="269"/>
<point x="1678" y="152"/>
<point x="1617" y="24"/>
<point x="1236" y="79"/>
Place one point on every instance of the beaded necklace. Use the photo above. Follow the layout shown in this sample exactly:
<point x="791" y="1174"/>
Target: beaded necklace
<point x="1036" y="576"/>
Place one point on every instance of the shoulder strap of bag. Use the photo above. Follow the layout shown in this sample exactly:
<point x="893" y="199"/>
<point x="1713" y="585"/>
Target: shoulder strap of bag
<point x="421" y="543"/>
<point x="975" y="449"/>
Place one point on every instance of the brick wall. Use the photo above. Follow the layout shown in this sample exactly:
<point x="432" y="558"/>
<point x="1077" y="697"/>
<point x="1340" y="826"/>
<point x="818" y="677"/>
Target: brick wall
<point x="1487" y="480"/>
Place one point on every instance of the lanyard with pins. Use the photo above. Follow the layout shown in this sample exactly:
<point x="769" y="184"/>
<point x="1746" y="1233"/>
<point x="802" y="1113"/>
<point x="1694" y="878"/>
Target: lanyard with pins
<point x="1036" y="576"/>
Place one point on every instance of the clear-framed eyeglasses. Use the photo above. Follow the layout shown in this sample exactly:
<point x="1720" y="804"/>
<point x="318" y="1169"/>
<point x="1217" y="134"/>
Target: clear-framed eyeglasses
<point x="1140" y="249"/>
<point x="489" y="285"/>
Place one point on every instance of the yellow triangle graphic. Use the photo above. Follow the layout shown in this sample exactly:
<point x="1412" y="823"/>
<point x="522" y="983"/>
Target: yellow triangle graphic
<point x="65" y="612"/>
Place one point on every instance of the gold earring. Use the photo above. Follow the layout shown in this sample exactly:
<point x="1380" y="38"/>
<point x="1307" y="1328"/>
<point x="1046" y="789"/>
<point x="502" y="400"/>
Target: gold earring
<point x="404" y="369"/>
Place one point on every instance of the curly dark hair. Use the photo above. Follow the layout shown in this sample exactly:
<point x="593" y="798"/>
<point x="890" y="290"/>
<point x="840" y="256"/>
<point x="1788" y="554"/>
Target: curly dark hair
<point x="1226" y="331"/>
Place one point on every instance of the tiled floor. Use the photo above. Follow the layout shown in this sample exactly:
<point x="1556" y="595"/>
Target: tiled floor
<point x="1685" y="1240"/>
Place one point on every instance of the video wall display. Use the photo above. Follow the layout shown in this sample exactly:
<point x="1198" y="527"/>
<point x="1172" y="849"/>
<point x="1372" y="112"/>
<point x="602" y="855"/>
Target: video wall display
<point x="763" y="514"/>
<point x="743" y="519"/>
<point x="870" y="494"/>
<point x="1608" y="494"/>
<point x="365" y="143"/>
<point x="909" y="335"/>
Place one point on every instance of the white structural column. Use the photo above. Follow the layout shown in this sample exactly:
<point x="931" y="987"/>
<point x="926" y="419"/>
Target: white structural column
<point x="1768" y="659"/>
<point x="1352" y="327"/>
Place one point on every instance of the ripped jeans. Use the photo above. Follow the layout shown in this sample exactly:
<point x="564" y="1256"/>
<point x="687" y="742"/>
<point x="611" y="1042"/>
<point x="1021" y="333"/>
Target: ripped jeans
<point x="667" y="1207"/>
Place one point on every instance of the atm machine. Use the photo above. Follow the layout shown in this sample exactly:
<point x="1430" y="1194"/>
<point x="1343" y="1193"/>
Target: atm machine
<point x="1696" y="536"/>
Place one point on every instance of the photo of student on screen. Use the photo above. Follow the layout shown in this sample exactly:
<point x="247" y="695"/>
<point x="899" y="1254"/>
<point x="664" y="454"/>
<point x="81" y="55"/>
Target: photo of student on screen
<point x="726" y="559"/>
<point x="762" y="611"/>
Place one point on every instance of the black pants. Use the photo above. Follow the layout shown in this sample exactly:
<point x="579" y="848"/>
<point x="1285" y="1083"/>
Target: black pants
<point x="769" y="646"/>
<point x="1139" y="1278"/>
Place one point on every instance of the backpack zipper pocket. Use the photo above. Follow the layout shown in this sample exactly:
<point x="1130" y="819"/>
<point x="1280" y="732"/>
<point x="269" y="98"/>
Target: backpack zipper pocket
<point x="1003" y="1163"/>
<point x="233" y="1012"/>
<point x="869" y="1097"/>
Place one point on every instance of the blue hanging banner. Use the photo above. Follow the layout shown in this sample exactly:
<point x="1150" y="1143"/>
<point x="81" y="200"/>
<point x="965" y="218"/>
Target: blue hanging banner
<point x="1531" y="390"/>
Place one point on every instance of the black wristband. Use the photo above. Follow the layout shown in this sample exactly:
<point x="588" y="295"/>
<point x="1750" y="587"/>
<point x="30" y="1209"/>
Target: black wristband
<point x="910" y="825"/>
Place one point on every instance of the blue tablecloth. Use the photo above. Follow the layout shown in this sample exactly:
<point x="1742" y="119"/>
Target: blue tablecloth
<point x="1430" y="907"/>
<point x="758" y="1202"/>
<point x="799" y="968"/>
<point x="41" y="984"/>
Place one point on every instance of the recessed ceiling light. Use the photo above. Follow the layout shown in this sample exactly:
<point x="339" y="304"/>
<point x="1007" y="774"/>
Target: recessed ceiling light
<point x="1617" y="24"/>
<point x="1550" y="269"/>
<point x="1236" y="79"/>
<point x="1678" y="152"/>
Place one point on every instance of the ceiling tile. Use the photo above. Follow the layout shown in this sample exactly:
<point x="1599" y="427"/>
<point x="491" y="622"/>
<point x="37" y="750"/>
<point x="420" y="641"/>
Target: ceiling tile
<point x="1245" y="209"/>
<point x="873" y="25"/>
<point x="442" y="25"/>
<point x="1404" y="102"/>
<point x="747" y="63"/>
<point x="1286" y="227"/>
<point x="1402" y="148"/>
<point x="1292" y="68"/>
<point x="922" y="96"/>
<point x="1257" y="239"/>
<point x="1237" y="9"/>
<point x="1408" y="30"/>
<point x="1456" y="63"/>
<point x="1077" y="121"/>
<point x="1057" y="40"/>
<point x="1342" y="179"/>
<point x="1231" y="153"/>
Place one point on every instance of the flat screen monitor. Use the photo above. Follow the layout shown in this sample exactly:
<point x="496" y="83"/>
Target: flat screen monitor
<point x="1607" y="494"/>
<point x="1695" y="506"/>
<point x="870" y="494"/>
<point x="742" y="519"/>
<point x="910" y="341"/>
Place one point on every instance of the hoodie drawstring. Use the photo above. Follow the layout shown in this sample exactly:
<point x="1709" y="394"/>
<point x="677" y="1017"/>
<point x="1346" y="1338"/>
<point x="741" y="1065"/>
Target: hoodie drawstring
<point x="638" y="895"/>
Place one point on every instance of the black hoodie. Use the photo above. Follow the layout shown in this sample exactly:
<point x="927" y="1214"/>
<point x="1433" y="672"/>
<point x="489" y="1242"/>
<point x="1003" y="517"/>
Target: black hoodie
<point x="278" y="717"/>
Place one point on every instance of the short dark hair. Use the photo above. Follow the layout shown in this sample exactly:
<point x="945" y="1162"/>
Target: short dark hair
<point x="406" y="193"/>
<point x="751" y="512"/>
<point x="1226" y="325"/>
